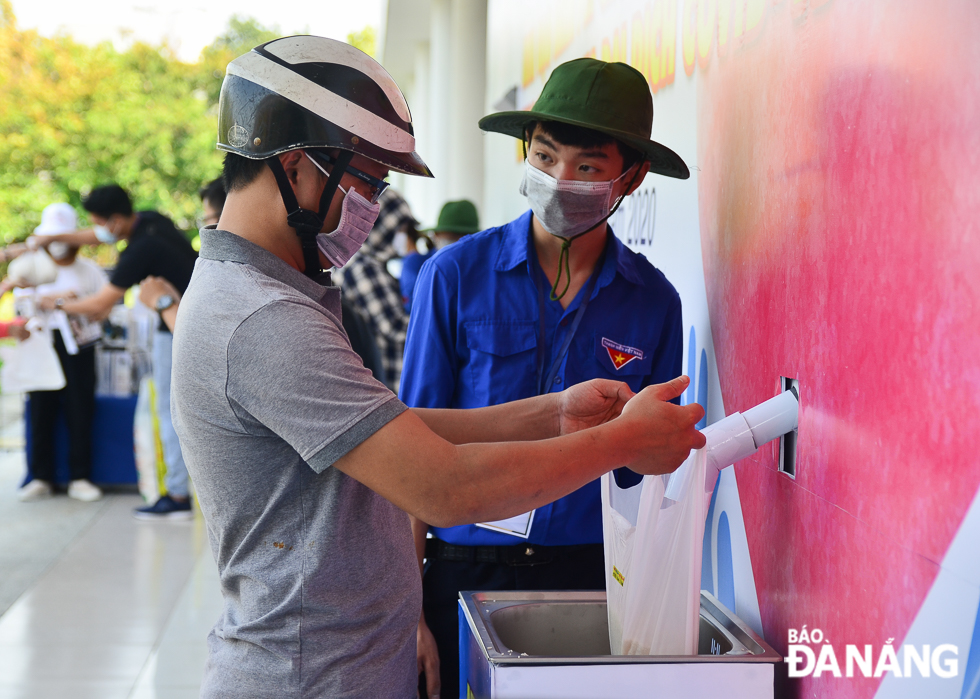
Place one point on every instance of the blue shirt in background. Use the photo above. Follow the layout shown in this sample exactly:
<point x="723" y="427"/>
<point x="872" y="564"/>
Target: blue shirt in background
<point x="473" y="339"/>
<point x="411" y="266"/>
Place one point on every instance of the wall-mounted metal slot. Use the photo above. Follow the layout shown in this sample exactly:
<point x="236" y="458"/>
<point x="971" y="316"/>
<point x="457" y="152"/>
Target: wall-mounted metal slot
<point x="787" y="443"/>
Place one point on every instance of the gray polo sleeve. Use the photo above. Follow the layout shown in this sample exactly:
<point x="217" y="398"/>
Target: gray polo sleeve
<point x="293" y="375"/>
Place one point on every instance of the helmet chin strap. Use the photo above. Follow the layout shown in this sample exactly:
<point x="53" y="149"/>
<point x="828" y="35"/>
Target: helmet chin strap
<point x="308" y="224"/>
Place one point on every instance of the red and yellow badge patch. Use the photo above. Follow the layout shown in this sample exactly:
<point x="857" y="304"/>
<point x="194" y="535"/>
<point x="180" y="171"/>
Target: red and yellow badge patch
<point x="621" y="355"/>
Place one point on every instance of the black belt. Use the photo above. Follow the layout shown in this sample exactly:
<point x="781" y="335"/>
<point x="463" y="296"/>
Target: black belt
<point x="519" y="555"/>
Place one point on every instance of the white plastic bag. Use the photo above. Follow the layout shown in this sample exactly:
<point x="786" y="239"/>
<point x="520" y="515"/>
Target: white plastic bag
<point x="31" y="365"/>
<point x="32" y="268"/>
<point x="653" y="560"/>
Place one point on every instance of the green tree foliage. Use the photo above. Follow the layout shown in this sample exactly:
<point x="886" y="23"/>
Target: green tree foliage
<point x="73" y="117"/>
<point x="366" y="40"/>
<point x="243" y="34"/>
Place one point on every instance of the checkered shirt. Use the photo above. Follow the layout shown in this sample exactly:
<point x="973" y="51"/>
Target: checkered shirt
<point x="367" y="285"/>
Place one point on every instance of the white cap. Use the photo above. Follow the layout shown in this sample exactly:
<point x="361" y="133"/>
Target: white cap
<point x="57" y="218"/>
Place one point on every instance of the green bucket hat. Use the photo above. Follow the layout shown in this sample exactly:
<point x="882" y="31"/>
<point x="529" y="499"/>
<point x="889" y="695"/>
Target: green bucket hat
<point x="457" y="217"/>
<point x="612" y="98"/>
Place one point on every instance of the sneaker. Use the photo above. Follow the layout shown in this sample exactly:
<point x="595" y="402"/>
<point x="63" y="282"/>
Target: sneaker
<point x="165" y="508"/>
<point x="84" y="491"/>
<point x="35" y="490"/>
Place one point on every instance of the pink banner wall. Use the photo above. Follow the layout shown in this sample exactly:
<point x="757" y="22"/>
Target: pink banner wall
<point x="839" y="200"/>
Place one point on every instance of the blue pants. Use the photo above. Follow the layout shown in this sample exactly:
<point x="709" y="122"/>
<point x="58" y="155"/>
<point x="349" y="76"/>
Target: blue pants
<point x="163" y="359"/>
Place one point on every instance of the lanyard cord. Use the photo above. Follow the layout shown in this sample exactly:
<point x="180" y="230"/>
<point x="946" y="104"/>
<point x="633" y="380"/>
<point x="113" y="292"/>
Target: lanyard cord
<point x="563" y="256"/>
<point x="545" y="382"/>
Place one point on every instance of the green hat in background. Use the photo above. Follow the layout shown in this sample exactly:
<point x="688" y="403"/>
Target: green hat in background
<point x="612" y="98"/>
<point x="457" y="217"/>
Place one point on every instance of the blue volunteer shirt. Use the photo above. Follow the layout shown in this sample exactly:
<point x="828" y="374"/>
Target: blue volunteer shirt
<point x="473" y="339"/>
<point x="411" y="266"/>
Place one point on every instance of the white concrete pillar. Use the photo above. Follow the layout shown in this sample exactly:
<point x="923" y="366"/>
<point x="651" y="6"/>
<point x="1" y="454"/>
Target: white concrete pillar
<point x="417" y="189"/>
<point x="437" y="128"/>
<point x="467" y="98"/>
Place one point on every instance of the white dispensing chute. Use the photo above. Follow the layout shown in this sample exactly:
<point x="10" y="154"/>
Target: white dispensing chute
<point x="740" y="435"/>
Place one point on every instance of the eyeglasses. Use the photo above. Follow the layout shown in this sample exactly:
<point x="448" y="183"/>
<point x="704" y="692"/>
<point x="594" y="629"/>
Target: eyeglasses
<point x="379" y="185"/>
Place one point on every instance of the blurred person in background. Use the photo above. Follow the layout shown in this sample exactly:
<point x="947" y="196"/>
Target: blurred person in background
<point x="159" y="294"/>
<point x="369" y="288"/>
<point x="74" y="339"/>
<point x="456" y="219"/>
<point x="154" y="248"/>
<point x="213" y="197"/>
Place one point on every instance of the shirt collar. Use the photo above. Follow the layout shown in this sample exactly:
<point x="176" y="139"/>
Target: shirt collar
<point x="516" y="238"/>
<point x="223" y="246"/>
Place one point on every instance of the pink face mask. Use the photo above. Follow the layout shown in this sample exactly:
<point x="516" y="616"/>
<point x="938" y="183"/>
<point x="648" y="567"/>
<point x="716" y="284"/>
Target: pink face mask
<point x="357" y="218"/>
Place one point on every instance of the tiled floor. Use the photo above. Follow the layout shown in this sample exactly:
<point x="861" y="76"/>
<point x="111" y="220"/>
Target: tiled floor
<point x="97" y="604"/>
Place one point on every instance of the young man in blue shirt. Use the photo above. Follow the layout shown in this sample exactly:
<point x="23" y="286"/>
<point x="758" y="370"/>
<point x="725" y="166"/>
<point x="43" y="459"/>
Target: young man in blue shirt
<point x="544" y="302"/>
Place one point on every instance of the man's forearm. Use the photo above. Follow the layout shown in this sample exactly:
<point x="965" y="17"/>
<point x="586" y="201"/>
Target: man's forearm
<point x="496" y="481"/>
<point x="446" y="485"/>
<point x="98" y="305"/>
<point x="90" y="306"/>
<point x="85" y="236"/>
<point x="520" y="421"/>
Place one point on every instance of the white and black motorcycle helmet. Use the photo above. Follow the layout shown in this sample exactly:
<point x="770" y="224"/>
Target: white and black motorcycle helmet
<point x="313" y="92"/>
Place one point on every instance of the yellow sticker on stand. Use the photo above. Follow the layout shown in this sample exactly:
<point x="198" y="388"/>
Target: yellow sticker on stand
<point x="7" y="312"/>
<point x="617" y="576"/>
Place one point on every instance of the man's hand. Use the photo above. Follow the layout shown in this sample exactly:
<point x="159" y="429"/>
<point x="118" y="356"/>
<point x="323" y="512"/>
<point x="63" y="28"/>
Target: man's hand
<point x="662" y="428"/>
<point x="591" y="403"/>
<point x="427" y="655"/>
<point x="12" y="251"/>
<point x="6" y="285"/>
<point x="18" y="331"/>
<point x="152" y="288"/>
<point x="50" y="303"/>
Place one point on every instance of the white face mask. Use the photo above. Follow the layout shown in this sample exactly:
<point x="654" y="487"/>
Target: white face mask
<point x="400" y="243"/>
<point x="59" y="250"/>
<point x="104" y="234"/>
<point x="567" y="208"/>
<point x="357" y="218"/>
<point x="440" y="242"/>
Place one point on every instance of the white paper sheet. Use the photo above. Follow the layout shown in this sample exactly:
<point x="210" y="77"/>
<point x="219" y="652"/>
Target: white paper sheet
<point x="519" y="526"/>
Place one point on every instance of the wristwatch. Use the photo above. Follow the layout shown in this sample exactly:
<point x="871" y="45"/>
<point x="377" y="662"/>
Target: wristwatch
<point x="164" y="302"/>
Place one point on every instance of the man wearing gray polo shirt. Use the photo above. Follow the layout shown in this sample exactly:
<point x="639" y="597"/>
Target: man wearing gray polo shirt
<point x="304" y="464"/>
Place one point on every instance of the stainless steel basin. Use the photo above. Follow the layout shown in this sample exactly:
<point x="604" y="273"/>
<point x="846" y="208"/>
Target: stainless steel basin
<point x="572" y="627"/>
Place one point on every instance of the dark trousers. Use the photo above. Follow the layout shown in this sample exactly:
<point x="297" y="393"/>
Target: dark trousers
<point x="77" y="400"/>
<point x="443" y="580"/>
